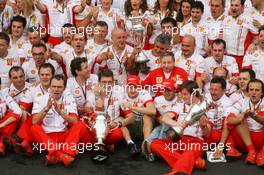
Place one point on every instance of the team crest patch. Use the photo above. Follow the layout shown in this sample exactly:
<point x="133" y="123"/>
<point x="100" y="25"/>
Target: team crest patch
<point x="39" y="94"/>
<point x="157" y="61"/>
<point x="61" y="106"/>
<point x="9" y="62"/>
<point x="159" y="79"/>
<point x="89" y="87"/>
<point x="29" y="52"/>
<point x="12" y="94"/>
<point x="110" y="14"/>
<point x="256" y="55"/>
<point x="239" y="22"/>
<point x="34" y="71"/>
<point x="77" y="91"/>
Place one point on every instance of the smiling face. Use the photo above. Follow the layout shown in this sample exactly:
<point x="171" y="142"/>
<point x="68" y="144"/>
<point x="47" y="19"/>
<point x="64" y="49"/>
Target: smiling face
<point x="243" y="80"/>
<point x="216" y="91"/>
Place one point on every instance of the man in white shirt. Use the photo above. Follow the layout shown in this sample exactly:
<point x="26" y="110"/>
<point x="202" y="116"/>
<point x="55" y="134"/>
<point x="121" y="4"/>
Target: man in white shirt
<point x="46" y="72"/>
<point x="248" y="124"/>
<point x="31" y="67"/>
<point x="81" y="82"/>
<point x="8" y="59"/>
<point x="255" y="60"/>
<point x="10" y="114"/>
<point x="51" y="115"/>
<point x="119" y="57"/>
<point x="197" y="28"/>
<point x="18" y="86"/>
<point x="183" y="159"/>
<point x="218" y="59"/>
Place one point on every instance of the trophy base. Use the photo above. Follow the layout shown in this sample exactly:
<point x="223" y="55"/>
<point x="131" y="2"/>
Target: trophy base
<point x="100" y="155"/>
<point x="141" y="66"/>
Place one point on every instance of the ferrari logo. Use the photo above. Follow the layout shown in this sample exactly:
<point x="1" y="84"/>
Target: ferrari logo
<point x="159" y="79"/>
<point x="77" y="91"/>
<point x="10" y="62"/>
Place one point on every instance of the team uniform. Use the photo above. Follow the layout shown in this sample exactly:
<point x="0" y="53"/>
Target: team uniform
<point x="239" y="33"/>
<point x="217" y="116"/>
<point x="80" y="93"/>
<point x="14" y="93"/>
<point x="190" y="65"/>
<point x="54" y="128"/>
<point x="31" y="70"/>
<point x="215" y="27"/>
<point x="181" y="160"/>
<point x="162" y="106"/>
<point x="157" y="76"/>
<point x="8" y="108"/>
<point x="6" y="63"/>
<point x="110" y="18"/>
<point x="200" y="33"/>
<point x="5" y="18"/>
<point x="255" y="61"/>
<point x="93" y="50"/>
<point x="256" y="129"/>
<point x="117" y="63"/>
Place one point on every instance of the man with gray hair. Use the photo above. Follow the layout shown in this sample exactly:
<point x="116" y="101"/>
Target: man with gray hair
<point x="161" y="44"/>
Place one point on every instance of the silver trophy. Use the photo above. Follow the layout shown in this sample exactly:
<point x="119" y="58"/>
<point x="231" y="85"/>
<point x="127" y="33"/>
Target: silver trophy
<point x="139" y="36"/>
<point x="195" y="113"/>
<point x="101" y="130"/>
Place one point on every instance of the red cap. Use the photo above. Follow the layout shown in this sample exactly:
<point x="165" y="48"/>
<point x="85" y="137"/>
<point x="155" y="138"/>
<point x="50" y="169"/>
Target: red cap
<point x="168" y="84"/>
<point x="133" y="80"/>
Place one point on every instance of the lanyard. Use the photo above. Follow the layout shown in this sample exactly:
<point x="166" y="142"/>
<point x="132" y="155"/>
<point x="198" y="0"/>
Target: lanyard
<point x="13" y="96"/>
<point x="83" y="90"/>
<point x="254" y="105"/>
<point x="118" y="58"/>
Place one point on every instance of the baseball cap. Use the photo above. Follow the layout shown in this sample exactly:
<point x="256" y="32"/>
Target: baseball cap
<point x="168" y="84"/>
<point x="133" y="80"/>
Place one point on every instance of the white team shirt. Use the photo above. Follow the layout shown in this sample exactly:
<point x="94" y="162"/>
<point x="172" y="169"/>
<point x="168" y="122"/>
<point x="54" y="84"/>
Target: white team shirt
<point x="215" y="26"/>
<point x="110" y="18"/>
<point x="163" y="105"/>
<point x="93" y="50"/>
<point x="57" y="17"/>
<point x="62" y="48"/>
<point x="116" y="64"/>
<point x="141" y="100"/>
<point x="31" y="94"/>
<point x="254" y="14"/>
<point x="6" y="63"/>
<point x="5" y="18"/>
<point x="255" y="61"/>
<point x="190" y="65"/>
<point x="112" y="103"/>
<point x="53" y="122"/>
<point x="14" y="93"/>
<point x="253" y="125"/>
<point x="80" y="93"/>
<point x="235" y="32"/>
<point x="31" y="70"/>
<point x="70" y="55"/>
<point x="218" y="115"/>
<point x="200" y="33"/>
<point x="25" y="52"/>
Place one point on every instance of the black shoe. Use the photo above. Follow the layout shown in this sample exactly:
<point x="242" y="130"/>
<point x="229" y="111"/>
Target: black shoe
<point x="133" y="149"/>
<point x="150" y="157"/>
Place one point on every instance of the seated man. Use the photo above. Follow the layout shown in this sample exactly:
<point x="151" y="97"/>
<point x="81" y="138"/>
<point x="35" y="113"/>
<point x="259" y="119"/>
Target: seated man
<point x="141" y="103"/>
<point x="246" y="126"/>
<point x="10" y="114"/>
<point x="51" y="116"/>
<point x="109" y="99"/>
<point x="183" y="160"/>
<point x="163" y="103"/>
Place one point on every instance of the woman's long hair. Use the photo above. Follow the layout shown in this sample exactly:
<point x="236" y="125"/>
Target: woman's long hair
<point x="179" y="17"/>
<point x="170" y="7"/>
<point x="128" y="7"/>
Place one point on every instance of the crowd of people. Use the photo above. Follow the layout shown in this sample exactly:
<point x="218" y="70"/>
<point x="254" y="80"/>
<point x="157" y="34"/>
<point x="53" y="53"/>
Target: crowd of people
<point x="66" y="60"/>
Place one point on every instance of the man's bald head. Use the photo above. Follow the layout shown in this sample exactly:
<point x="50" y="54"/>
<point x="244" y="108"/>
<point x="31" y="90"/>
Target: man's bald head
<point x="119" y="37"/>
<point x="188" y="45"/>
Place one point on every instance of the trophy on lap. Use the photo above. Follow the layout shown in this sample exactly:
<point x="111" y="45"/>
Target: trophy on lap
<point x="195" y="113"/>
<point x="139" y="36"/>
